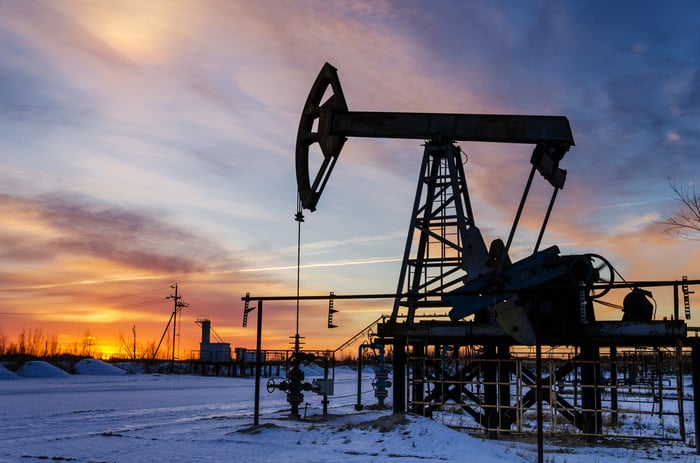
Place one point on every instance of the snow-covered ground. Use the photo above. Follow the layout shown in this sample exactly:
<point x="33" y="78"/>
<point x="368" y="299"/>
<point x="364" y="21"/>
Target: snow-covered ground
<point x="102" y="415"/>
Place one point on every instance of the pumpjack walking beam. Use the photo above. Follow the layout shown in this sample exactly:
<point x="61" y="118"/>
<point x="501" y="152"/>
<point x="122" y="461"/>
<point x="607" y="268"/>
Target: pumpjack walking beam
<point x="328" y="123"/>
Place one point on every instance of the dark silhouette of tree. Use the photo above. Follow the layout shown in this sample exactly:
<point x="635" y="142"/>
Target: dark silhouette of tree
<point x="686" y="222"/>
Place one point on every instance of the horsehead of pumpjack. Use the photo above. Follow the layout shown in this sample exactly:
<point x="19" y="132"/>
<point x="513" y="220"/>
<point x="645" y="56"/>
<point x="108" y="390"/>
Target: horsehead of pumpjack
<point x="554" y="288"/>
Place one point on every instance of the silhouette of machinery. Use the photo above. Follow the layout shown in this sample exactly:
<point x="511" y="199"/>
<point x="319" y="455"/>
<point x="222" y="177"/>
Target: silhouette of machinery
<point x="492" y="301"/>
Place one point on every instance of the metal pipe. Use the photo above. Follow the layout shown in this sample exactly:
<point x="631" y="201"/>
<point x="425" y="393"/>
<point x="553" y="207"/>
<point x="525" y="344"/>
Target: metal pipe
<point x="358" y="405"/>
<point x="258" y="364"/>
<point x="613" y="387"/>
<point x="324" y="297"/>
<point x="675" y="301"/>
<point x="695" y="360"/>
<point x="325" y="385"/>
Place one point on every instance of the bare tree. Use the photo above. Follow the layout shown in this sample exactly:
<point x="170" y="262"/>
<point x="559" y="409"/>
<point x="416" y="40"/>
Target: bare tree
<point x="3" y="342"/>
<point x="83" y="346"/>
<point x="686" y="222"/>
<point x="33" y="342"/>
<point x="22" y="342"/>
<point x="36" y="343"/>
<point x="149" y="350"/>
<point x="128" y="345"/>
<point x="134" y="351"/>
<point x="53" y="348"/>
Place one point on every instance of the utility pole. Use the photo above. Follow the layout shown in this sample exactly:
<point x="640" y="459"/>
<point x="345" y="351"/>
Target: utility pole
<point x="177" y="306"/>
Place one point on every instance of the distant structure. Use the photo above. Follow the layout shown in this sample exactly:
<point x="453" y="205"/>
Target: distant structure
<point x="212" y="351"/>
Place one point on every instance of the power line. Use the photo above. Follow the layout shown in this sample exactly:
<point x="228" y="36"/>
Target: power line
<point x="141" y="304"/>
<point x="100" y="299"/>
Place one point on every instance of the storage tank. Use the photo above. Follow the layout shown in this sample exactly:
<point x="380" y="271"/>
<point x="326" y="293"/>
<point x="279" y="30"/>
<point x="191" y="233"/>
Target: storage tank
<point x="206" y="331"/>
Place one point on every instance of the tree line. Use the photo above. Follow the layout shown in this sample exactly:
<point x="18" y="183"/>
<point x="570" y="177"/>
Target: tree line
<point x="36" y="343"/>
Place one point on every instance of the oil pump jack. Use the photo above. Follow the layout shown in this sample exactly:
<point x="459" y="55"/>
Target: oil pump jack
<point x="446" y="262"/>
<point x="492" y="301"/>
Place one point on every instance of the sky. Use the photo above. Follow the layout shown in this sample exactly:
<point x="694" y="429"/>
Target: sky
<point x="145" y="144"/>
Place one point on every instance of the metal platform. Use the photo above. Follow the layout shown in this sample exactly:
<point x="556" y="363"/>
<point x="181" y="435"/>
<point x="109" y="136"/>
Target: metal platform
<point x="603" y="333"/>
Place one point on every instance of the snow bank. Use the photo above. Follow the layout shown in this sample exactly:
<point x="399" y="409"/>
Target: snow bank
<point x="131" y="367"/>
<point x="97" y="367"/>
<point x="41" y="369"/>
<point x="185" y="418"/>
<point x="7" y="374"/>
<point x="312" y="369"/>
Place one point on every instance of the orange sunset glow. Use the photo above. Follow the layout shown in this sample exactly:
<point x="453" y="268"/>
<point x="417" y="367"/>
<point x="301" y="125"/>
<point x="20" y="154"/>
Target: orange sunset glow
<point x="148" y="144"/>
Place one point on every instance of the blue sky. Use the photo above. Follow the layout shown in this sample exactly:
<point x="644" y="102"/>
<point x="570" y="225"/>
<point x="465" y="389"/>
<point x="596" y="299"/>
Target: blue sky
<point x="147" y="143"/>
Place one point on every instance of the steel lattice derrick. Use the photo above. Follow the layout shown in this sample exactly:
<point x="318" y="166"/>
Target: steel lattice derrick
<point x="441" y="232"/>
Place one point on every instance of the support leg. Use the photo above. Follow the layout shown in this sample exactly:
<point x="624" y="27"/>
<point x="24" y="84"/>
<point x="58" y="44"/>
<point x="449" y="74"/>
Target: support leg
<point x="503" y="385"/>
<point x="418" y="391"/>
<point x="696" y="392"/>
<point x="613" y="387"/>
<point x="399" y="392"/>
<point x="490" y="391"/>
<point x="590" y="395"/>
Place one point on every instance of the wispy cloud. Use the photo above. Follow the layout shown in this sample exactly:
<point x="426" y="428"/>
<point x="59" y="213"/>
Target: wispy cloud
<point x="339" y="263"/>
<point x="76" y="227"/>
